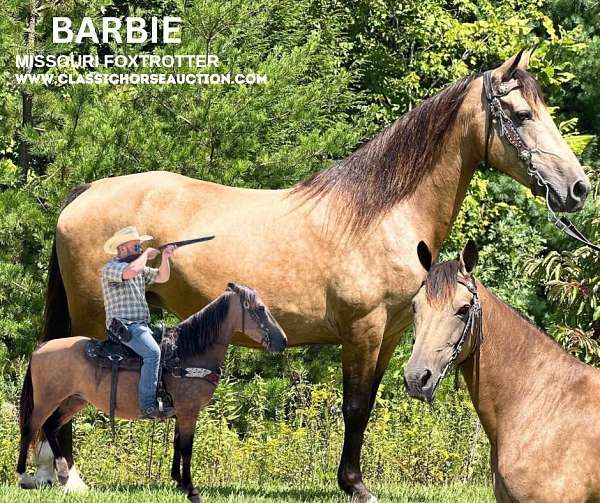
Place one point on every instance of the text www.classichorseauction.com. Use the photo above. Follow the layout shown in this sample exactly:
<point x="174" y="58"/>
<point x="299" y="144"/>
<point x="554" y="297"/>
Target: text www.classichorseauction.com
<point x="84" y="68"/>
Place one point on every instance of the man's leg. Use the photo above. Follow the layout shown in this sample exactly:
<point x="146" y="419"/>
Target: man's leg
<point x="144" y="345"/>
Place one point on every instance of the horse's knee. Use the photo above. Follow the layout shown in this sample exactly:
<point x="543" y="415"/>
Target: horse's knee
<point x="186" y="449"/>
<point x="355" y="409"/>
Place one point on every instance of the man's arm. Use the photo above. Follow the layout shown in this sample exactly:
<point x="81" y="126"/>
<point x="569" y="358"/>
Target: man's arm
<point x="164" y="271"/>
<point x="137" y="266"/>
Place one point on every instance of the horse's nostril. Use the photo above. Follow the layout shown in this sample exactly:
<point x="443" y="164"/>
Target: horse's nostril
<point x="425" y="377"/>
<point x="580" y="189"/>
<point x="405" y="383"/>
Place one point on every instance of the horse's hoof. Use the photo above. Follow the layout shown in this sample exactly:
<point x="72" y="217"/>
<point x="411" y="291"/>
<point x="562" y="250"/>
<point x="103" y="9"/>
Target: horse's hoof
<point x="27" y="481"/>
<point x="363" y="496"/>
<point x="194" y="496"/>
<point x="74" y="483"/>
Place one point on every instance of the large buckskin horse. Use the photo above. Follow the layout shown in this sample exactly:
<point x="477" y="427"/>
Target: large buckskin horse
<point x="334" y="256"/>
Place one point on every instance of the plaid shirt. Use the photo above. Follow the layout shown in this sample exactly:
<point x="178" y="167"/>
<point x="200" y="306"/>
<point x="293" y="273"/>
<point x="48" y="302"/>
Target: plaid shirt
<point x="126" y="298"/>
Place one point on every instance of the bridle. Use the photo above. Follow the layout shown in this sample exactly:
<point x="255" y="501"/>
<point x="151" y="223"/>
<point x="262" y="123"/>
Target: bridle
<point x="473" y="326"/>
<point x="508" y="130"/>
<point x="266" y="336"/>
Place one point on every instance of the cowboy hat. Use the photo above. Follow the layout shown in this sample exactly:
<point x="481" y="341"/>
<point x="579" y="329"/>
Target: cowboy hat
<point x="122" y="236"/>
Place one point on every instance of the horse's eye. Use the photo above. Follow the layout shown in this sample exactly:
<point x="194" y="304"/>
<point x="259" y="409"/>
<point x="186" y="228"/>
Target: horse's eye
<point x="523" y="115"/>
<point x="413" y="306"/>
<point x="463" y="311"/>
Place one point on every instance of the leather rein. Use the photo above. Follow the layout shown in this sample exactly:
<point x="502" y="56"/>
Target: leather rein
<point x="508" y="130"/>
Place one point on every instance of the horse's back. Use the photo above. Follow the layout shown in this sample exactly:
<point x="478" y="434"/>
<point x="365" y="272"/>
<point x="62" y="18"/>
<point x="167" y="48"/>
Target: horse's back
<point x="59" y="346"/>
<point x="155" y="191"/>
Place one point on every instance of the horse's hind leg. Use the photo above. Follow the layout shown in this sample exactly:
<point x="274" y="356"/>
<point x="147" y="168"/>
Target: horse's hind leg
<point x="50" y="428"/>
<point x="176" y="466"/>
<point x="64" y="459"/>
<point x="29" y="430"/>
<point x="25" y="480"/>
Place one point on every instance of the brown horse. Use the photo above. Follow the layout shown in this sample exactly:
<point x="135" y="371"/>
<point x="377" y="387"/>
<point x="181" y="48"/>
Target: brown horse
<point x="333" y="256"/>
<point x="539" y="405"/>
<point x="60" y="379"/>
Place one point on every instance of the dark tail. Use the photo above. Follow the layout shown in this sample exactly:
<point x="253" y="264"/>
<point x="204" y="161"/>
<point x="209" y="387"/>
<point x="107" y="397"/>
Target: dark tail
<point x="26" y="402"/>
<point x="57" y="322"/>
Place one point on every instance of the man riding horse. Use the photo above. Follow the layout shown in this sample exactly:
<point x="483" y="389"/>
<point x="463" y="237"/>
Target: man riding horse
<point x="124" y="280"/>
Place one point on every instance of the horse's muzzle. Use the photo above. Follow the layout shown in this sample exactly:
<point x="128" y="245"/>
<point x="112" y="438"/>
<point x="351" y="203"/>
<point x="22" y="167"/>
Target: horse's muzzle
<point x="277" y="341"/>
<point x="420" y="384"/>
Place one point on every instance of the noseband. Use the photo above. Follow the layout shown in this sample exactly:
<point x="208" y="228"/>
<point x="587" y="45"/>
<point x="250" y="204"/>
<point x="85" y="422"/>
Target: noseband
<point x="508" y="130"/>
<point x="266" y="338"/>
<point x="473" y="326"/>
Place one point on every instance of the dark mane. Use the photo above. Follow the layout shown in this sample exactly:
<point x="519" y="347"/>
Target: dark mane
<point x="440" y="283"/>
<point x="198" y="332"/>
<point x="390" y="166"/>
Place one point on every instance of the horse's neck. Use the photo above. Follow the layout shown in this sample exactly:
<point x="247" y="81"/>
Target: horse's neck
<point x="214" y="356"/>
<point x="437" y="200"/>
<point x="515" y="362"/>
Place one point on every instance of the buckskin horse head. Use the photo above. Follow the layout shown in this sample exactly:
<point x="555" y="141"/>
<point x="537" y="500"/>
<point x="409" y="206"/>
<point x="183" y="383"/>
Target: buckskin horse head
<point x="520" y="133"/>
<point x="447" y="319"/>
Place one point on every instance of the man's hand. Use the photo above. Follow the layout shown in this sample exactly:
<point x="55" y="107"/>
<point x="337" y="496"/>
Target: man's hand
<point x="168" y="251"/>
<point x="151" y="253"/>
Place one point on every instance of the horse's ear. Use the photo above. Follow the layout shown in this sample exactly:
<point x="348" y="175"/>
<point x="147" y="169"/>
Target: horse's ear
<point x="424" y="255"/>
<point x="468" y="257"/>
<point x="231" y="287"/>
<point x="506" y="70"/>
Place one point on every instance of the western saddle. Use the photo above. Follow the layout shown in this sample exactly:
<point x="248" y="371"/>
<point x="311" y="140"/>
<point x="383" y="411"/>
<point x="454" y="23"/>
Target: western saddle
<point x="113" y="355"/>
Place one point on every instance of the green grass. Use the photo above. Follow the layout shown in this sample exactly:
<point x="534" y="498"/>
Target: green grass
<point x="267" y="494"/>
<point x="289" y="452"/>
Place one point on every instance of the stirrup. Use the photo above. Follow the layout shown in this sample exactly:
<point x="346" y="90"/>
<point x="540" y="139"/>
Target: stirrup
<point x="155" y="413"/>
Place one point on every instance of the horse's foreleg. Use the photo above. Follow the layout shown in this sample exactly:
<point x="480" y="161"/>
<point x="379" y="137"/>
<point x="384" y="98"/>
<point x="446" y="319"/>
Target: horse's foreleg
<point x="176" y="466"/>
<point x="359" y="360"/>
<point x="186" y="439"/>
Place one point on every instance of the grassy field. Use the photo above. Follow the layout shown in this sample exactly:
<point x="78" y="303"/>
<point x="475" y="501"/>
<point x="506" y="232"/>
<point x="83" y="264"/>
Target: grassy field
<point x="249" y="447"/>
<point x="268" y="494"/>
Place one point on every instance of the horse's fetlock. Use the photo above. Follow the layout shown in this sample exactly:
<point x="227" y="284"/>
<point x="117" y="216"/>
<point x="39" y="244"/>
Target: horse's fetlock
<point x="62" y="470"/>
<point x="194" y="495"/>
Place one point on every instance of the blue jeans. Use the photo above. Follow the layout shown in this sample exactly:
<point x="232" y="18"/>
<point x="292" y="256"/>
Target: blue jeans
<point x="144" y="345"/>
